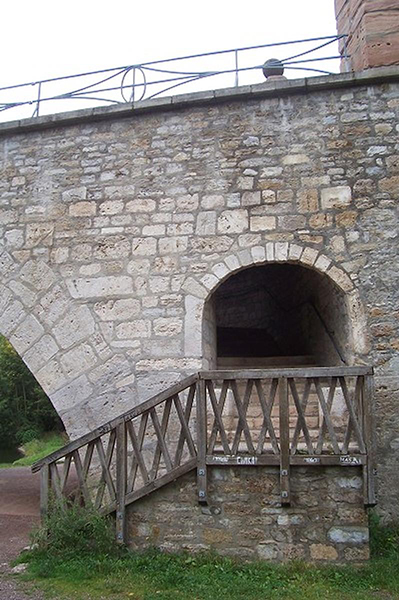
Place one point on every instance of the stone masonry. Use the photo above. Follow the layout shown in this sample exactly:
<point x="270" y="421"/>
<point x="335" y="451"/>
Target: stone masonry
<point x="118" y="224"/>
<point x="372" y="27"/>
<point x="326" y="523"/>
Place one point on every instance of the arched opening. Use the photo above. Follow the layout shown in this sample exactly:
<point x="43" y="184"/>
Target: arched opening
<point x="277" y="315"/>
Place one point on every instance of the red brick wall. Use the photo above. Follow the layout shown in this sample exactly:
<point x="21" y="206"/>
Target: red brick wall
<point x="373" y="28"/>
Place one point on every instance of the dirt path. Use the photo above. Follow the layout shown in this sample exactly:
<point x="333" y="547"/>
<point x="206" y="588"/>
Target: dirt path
<point x="19" y="512"/>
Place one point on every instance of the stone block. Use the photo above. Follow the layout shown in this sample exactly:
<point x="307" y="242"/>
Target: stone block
<point x="349" y="535"/>
<point x="74" y="327"/>
<point x="100" y="287"/>
<point x="117" y="310"/>
<point x="28" y="332"/>
<point x="323" y="552"/>
<point x="82" y="209"/>
<point x="233" y="221"/>
<point x="40" y="353"/>
<point x="336" y="197"/>
<point x="138" y="328"/>
<point x="262" y="223"/>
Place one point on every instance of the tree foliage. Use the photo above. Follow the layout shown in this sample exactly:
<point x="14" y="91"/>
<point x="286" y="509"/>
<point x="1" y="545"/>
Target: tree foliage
<point x="25" y="410"/>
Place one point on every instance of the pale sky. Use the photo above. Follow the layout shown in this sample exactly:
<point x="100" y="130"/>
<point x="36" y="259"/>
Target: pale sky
<point x="48" y="38"/>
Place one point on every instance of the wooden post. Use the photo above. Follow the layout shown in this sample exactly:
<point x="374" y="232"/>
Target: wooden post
<point x="284" y="442"/>
<point x="202" y="482"/>
<point x="45" y="481"/>
<point x="369" y="470"/>
<point x="121" y="482"/>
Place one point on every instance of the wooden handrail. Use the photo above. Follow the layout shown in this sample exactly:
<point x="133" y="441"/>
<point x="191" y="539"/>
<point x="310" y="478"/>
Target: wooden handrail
<point x="302" y="372"/>
<point x="207" y="419"/>
<point x="109" y="425"/>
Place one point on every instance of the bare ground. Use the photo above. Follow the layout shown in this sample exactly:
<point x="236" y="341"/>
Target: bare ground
<point x="19" y="513"/>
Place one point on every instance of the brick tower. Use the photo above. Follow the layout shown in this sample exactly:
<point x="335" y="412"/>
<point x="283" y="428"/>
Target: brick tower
<point x="373" y="29"/>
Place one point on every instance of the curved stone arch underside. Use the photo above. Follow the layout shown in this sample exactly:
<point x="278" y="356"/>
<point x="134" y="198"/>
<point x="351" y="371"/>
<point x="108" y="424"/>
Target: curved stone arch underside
<point x="200" y="290"/>
<point x="59" y="340"/>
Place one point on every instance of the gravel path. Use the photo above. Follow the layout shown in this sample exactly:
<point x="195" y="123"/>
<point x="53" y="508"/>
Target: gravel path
<point x="19" y="512"/>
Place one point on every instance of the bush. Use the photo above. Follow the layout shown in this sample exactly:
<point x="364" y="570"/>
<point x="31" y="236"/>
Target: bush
<point x="76" y="532"/>
<point x="384" y="539"/>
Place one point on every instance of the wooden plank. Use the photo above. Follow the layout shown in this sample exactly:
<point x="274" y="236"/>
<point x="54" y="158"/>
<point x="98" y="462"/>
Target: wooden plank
<point x="81" y="478"/>
<point x="242" y="414"/>
<point x="323" y="429"/>
<point x="56" y="485"/>
<point x="267" y="425"/>
<point x="218" y="415"/>
<point x="327" y="417"/>
<point x="284" y="420"/>
<point x="138" y="458"/>
<point x="184" y="430"/>
<point x="186" y="417"/>
<point x="134" y="466"/>
<point x="215" y="427"/>
<point x="107" y="427"/>
<point x="152" y="486"/>
<point x="65" y="472"/>
<point x="294" y="372"/>
<point x="298" y="460"/>
<point x="160" y="430"/>
<point x="352" y="415"/>
<point x="105" y="461"/>
<point x="202" y="481"/>
<point x="121" y="483"/>
<point x="44" y="491"/>
<point x="301" y="421"/>
<point x="370" y="494"/>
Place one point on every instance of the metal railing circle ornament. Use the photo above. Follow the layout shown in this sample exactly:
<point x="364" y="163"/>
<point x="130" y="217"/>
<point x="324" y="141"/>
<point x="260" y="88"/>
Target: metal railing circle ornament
<point x="134" y="85"/>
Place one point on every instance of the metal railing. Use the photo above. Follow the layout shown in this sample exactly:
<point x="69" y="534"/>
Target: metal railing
<point x="287" y="418"/>
<point x="196" y="72"/>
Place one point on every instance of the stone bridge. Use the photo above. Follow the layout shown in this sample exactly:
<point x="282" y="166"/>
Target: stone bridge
<point x="121" y="227"/>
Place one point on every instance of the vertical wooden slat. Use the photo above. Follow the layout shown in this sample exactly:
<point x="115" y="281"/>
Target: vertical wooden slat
<point x="44" y="491"/>
<point x="121" y="482"/>
<point x="370" y="496"/>
<point x="202" y="482"/>
<point x="284" y="441"/>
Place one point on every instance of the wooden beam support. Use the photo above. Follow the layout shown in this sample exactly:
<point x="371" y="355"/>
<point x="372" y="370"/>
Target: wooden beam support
<point x="284" y="442"/>
<point x="202" y="480"/>
<point x="45" y="482"/>
<point x="369" y="470"/>
<point x="121" y="482"/>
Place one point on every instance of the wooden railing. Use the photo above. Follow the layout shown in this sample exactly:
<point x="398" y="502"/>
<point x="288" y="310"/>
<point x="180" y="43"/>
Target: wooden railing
<point x="283" y="417"/>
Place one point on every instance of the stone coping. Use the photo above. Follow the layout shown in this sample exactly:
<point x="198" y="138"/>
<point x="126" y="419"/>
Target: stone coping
<point x="272" y="89"/>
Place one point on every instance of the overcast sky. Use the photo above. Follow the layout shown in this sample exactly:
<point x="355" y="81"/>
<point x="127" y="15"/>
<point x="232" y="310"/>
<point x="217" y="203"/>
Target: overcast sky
<point x="48" y="38"/>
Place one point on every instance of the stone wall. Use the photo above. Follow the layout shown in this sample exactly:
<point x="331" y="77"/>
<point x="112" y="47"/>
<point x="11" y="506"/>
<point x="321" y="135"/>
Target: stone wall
<point x="118" y="224"/>
<point x="326" y="522"/>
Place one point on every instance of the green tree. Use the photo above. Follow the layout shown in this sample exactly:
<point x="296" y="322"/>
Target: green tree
<point x="25" y="410"/>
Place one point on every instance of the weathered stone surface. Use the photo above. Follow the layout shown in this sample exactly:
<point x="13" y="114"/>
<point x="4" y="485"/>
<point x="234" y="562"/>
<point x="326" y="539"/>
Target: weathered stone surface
<point x="119" y="262"/>
<point x="243" y="517"/>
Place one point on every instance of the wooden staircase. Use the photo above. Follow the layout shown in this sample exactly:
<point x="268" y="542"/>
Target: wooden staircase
<point x="286" y="417"/>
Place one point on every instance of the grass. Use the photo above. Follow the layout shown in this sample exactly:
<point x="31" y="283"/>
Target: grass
<point x="80" y="560"/>
<point x="37" y="449"/>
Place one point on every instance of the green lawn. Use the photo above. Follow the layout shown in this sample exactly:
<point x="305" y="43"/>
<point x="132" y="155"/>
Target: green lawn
<point x="76" y="557"/>
<point x="153" y="576"/>
<point x="37" y="449"/>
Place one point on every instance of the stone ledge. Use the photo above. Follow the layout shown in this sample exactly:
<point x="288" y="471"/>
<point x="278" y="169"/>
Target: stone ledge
<point x="271" y="89"/>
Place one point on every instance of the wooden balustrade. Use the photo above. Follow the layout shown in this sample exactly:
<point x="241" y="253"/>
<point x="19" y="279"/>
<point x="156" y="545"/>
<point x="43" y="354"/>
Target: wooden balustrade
<point x="283" y="417"/>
